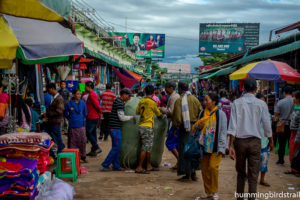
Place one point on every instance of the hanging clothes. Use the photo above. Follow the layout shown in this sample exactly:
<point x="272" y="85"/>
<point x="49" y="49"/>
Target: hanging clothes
<point x="102" y="75"/>
<point x="107" y="75"/>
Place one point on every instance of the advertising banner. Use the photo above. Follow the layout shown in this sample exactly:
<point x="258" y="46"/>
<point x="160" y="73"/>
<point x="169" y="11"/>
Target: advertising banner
<point x="176" y="68"/>
<point x="144" y="45"/>
<point x="228" y="37"/>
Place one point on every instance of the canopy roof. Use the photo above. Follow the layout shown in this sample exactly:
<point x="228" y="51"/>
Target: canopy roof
<point x="49" y="10"/>
<point x="269" y="53"/>
<point x="37" y="40"/>
<point x="8" y="44"/>
<point x="221" y="72"/>
<point x="125" y="80"/>
<point x="134" y="75"/>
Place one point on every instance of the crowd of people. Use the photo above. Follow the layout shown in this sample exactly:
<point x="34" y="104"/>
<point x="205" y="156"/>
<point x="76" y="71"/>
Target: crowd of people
<point x="241" y="128"/>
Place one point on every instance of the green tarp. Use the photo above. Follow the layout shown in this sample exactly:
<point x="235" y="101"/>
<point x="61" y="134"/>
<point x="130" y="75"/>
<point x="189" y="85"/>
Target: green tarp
<point x="131" y="145"/>
<point x="101" y="57"/>
<point x="221" y="72"/>
<point x="204" y="75"/>
<point x="61" y="7"/>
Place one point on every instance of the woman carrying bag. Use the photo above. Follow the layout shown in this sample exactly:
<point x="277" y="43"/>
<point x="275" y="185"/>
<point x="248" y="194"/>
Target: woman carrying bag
<point x="295" y="135"/>
<point x="213" y="126"/>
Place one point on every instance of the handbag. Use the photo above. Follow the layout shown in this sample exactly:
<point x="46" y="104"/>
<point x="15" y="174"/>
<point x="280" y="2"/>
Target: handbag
<point x="3" y="107"/>
<point x="281" y="124"/>
<point x="192" y="149"/>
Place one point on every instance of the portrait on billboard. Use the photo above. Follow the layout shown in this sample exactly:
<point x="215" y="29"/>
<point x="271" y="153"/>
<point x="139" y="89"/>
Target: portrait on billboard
<point x="144" y="45"/>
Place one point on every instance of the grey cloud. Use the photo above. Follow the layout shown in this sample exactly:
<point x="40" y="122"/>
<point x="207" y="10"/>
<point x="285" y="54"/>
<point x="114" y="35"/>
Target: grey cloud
<point x="181" y="20"/>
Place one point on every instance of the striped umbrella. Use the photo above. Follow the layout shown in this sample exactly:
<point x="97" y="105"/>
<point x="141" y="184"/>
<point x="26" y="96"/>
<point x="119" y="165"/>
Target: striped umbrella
<point x="268" y="70"/>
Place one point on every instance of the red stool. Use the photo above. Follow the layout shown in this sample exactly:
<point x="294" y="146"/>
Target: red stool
<point x="64" y="160"/>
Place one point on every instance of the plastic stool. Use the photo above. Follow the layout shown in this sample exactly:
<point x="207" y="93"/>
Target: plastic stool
<point x="63" y="162"/>
<point x="60" y="173"/>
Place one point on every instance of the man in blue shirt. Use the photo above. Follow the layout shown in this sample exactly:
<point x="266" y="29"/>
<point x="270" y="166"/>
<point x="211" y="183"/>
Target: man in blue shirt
<point x="48" y="99"/>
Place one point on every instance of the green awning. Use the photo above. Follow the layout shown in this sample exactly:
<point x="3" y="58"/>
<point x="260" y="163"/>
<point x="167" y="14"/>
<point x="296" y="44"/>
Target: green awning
<point x="62" y="7"/>
<point x="101" y="57"/>
<point x="221" y="72"/>
<point x="20" y="55"/>
<point x="269" y="53"/>
<point x="204" y="75"/>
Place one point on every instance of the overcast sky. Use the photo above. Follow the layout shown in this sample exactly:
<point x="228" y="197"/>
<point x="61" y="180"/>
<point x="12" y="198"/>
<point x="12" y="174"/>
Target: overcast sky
<point x="179" y="19"/>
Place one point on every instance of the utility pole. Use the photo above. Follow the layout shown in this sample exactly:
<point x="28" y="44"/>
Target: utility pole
<point x="125" y="24"/>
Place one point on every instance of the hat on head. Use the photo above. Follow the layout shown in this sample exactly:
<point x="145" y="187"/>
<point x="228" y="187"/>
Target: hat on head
<point x="126" y="91"/>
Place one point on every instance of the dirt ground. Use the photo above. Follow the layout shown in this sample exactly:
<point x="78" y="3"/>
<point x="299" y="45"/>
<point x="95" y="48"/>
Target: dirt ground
<point x="163" y="184"/>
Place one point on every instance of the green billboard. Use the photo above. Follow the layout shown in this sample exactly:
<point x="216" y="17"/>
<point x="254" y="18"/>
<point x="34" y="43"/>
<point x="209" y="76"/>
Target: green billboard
<point x="144" y="45"/>
<point x="228" y="37"/>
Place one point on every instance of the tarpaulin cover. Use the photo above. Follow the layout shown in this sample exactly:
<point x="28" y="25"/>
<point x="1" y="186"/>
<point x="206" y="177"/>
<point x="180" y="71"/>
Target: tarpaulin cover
<point x="49" y="10"/>
<point x="41" y="39"/>
<point x="134" y="75"/>
<point x="8" y="44"/>
<point x="131" y="145"/>
<point x="126" y="81"/>
<point x="82" y="59"/>
<point x="221" y="72"/>
<point x="21" y="56"/>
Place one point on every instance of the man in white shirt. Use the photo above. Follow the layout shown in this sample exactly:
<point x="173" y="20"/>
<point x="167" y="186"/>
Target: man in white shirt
<point x="247" y="115"/>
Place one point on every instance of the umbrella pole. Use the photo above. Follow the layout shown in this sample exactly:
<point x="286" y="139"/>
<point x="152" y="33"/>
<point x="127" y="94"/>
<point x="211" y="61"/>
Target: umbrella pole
<point x="268" y="93"/>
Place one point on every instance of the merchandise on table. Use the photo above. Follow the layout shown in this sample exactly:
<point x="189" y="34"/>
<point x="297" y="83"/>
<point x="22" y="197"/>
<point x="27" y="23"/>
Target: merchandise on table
<point x="18" y="179"/>
<point x="23" y="157"/>
<point x="27" y="145"/>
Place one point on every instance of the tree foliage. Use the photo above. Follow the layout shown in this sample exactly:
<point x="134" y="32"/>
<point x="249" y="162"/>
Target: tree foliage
<point x="215" y="58"/>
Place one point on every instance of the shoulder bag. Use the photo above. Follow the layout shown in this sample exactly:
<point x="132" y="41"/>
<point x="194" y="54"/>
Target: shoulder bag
<point x="281" y="124"/>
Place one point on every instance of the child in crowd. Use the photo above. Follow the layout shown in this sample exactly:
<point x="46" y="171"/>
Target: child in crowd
<point x="35" y="118"/>
<point x="23" y="114"/>
<point x="264" y="157"/>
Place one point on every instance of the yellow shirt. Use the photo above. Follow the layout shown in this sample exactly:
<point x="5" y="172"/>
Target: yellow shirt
<point x="146" y="109"/>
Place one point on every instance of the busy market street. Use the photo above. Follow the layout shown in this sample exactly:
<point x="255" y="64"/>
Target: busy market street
<point x="161" y="99"/>
<point x="164" y="184"/>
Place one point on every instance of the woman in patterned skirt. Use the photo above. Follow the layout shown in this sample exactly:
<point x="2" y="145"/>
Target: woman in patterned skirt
<point x="76" y="112"/>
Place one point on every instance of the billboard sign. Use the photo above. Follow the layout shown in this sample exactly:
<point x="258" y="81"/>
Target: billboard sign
<point x="228" y="37"/>
<point x="144" y="45"/>
<point x="176" y="68"/>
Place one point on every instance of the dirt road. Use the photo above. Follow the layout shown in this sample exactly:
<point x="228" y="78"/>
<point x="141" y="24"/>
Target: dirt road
<point x="164" y="185"/>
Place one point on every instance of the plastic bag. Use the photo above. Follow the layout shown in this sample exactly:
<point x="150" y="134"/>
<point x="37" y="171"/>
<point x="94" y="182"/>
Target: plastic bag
<point x="192" y="149"/>
<point x="131" y="146"/>
<point x="60" y="190"/>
